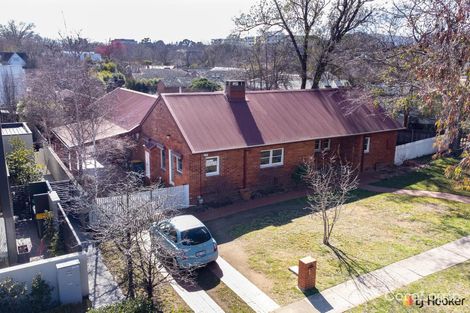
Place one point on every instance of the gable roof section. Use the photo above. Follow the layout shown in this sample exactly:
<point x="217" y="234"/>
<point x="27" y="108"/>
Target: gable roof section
<point x="127" y="110"/>
<point x="209" y="122"/>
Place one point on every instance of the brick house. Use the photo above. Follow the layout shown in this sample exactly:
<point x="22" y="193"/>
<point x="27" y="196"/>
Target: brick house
<point x="126" y="110"/>
<point x="233" y="143"/>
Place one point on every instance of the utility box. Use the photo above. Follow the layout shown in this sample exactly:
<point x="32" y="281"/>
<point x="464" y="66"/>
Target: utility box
<point x="68" y="281"/>
<point x="307" y="273"/>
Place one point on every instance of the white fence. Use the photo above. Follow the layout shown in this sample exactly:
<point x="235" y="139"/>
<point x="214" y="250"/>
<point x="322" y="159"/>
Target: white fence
<point x="172" y="197"/>
<point x="415" y="149"/>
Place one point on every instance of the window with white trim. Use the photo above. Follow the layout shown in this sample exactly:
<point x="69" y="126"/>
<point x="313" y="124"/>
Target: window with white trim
<point x="366" y="144"/>
<point x="322" y="145"/>
<point x="274" y="157"/>
<point x="179" y="164"/>
<point x="212" y="166"/>
<point x="162" y="159"/>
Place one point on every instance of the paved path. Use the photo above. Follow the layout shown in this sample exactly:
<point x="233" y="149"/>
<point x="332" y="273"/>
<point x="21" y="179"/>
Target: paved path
<point x="103" y="288"/>
<point x="418" y="193"/>
<point x="196" y="298"/>
<point x="382" y="281"/>
<point x="245" y="289"/>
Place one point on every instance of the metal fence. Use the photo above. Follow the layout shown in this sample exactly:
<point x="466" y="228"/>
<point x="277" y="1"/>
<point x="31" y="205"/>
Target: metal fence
<point x="171" y="197"/>
<point x="414" y="150"/>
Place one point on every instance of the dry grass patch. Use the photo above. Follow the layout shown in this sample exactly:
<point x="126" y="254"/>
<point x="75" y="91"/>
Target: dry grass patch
<point x="373" y="232"/>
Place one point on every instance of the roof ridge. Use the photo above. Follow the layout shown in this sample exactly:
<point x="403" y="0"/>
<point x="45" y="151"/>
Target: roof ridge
<point x="138" y="92"/>
<point x="209" y="93"/>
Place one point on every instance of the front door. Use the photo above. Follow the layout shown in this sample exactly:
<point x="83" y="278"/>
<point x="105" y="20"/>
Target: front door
<point x="147" y="164"/>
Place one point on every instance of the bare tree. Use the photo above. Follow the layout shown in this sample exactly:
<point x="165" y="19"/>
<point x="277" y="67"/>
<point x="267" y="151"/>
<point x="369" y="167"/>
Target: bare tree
<point x="330" y="182"/>
<point x="268" y="63"/>
<point x="126" y="220"/>
<point x="16" y="33"/>
<point x="313" y="26"/>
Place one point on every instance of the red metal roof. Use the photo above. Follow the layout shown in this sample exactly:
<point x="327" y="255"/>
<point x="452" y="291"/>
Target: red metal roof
<point x="209" y="122"/>
<point x="128" y="107"/>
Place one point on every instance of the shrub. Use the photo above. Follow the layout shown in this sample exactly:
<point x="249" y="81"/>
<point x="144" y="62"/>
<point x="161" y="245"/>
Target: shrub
<point x="40" y="296"/>
<point x="138" y="305"/>
<point x="58" y="242"/>
<point x="203" y="84"/>
<point x="143" y="85"/>
<point x="299" y="174"/>
<point x="14" y="296"/>
<point x="21" y="164"/>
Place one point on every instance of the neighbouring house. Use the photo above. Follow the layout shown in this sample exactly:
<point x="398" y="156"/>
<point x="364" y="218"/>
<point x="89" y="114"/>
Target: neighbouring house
<point x="14" y="58"/>
<point x="127" y="110"/>
<point x="12" y="82"/>
<point x="171" y="80"/>
<point x="239" y="143"/>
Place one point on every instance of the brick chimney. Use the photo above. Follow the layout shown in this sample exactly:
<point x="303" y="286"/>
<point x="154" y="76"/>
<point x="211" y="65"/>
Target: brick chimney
<point x="235" y="90"/>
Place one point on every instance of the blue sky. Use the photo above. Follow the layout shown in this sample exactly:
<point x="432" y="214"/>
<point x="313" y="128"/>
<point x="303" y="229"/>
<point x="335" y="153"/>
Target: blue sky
<point x="168" y="20"/>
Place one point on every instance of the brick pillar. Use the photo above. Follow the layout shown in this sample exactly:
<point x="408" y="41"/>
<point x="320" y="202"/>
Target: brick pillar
<point x="307" y="273"/>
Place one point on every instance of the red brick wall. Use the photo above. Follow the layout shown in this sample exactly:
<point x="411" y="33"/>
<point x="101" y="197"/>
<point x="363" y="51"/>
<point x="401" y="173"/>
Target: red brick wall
<point x="158" y="125"/>
<point x="381" y="151"/>
<point x="240" y="169"/>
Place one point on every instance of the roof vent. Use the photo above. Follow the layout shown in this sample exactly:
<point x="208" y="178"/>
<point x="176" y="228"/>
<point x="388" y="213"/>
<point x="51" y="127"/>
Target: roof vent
<point x="235" y="90"/>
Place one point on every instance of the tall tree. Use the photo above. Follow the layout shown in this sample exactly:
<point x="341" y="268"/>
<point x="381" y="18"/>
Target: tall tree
<point x="440" y="61"/>
<point x="16" y="33"/>
<point x="308" y="22"/>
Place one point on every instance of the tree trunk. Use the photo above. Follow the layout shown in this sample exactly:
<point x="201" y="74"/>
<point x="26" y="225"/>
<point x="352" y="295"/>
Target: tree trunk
<point x="303" y="74"/>
<point x="130" y="270"/>
<point x="319" y="70"/>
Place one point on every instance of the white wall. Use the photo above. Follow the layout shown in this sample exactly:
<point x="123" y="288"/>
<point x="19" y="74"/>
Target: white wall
<point x="47" y="269"/>
<point x="414" y="150"/>
<point x="19" y="76"/>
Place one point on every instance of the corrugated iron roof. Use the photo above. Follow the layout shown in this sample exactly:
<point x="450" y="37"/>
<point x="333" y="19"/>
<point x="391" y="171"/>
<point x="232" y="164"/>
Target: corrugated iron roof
<point x="127" y="110"/>
<point x="105" y="129"/>
<point x="128" y="107"/>
<point x="209" y="122"/>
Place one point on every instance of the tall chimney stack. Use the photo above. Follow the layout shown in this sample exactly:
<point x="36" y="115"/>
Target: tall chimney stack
<point x="235" y="90"/>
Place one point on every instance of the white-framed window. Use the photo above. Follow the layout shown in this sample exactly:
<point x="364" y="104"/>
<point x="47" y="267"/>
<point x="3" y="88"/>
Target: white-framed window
<point x="162" y="159"/>
<point x="179" y="164"/>
<point x="212" y="166"/>
<point x="366" y="144"/>
<point x="322" y="145"/>
<point x="274" y="157"/>
<point x="326" y="144"/>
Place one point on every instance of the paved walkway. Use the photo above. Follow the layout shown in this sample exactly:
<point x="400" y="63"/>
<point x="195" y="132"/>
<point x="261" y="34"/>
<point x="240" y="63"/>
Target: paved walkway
<point x="245" y="289"/>
<point x="418" y="193"/>
<point x="240" y="206"/>
<point x="196" y="298"/>
<point x="103" y="288"/>
<point x="382" y="281"/>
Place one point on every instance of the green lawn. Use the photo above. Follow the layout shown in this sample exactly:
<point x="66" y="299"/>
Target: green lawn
<point x="372" y="232"/>
<point x="430" y="178"/>
<point x="454" y="280"/>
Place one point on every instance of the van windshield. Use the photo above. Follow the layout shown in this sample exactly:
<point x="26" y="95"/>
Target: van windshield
<point x="195" y="236"/>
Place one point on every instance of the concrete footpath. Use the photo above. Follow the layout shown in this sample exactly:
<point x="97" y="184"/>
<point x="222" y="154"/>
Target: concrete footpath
<point x="418" y="193"/>
<point x="385" y="280"/>
<point x="104" y="290"/>
<point x="246" y="290"/>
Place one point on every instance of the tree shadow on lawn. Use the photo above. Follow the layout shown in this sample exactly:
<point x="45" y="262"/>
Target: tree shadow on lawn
<point x="231" y="227"/>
